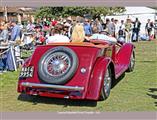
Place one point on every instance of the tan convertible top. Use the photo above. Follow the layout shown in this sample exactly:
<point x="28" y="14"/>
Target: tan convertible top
<point x="86" y="44"/>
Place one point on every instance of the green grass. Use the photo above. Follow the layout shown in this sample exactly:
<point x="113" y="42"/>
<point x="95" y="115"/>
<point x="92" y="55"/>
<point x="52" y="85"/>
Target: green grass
<point x="136" y="91"/>
<point x="26" y="53"/>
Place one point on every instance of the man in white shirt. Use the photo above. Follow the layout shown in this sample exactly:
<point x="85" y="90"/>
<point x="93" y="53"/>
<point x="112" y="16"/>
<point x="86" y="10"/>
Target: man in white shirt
<point x="122" y="32"/>
<point x="101" y="36"/>
<point x="57" y="37"/>
<point x="30" y="26"/>
<point x="116" y="28"/>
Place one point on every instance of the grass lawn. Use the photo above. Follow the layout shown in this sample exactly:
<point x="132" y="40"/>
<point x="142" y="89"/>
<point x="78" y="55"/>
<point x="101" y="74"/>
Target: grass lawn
<point x="136" y="91"/>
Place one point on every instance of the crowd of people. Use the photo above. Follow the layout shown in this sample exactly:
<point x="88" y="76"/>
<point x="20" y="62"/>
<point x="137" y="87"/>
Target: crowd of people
<point x="42" y="30"/>
<point x="47" y="30"/>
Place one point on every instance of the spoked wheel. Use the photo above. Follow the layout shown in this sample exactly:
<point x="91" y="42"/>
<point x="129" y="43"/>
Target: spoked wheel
<point x="132" y="62"/>
<point x="57" y="65"/>
<point x="105" y="91"/>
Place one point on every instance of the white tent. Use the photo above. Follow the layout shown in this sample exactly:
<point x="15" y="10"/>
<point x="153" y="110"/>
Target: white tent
<point x="142" y="13"/>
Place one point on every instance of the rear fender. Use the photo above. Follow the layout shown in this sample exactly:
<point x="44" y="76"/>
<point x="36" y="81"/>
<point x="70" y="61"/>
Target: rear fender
<point x="96" y="79"/>
<point x="124" y="54"/>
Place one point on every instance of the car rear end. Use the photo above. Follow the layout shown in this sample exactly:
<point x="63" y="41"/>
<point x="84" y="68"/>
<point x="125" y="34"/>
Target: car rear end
<point x="60" y="71"/>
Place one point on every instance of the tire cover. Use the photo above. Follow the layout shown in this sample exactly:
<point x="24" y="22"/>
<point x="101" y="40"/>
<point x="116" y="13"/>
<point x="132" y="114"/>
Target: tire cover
<point x="51" y="62"/>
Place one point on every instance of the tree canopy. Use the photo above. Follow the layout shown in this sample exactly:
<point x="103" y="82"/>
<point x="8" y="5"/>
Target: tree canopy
<point x="77" y="11"/>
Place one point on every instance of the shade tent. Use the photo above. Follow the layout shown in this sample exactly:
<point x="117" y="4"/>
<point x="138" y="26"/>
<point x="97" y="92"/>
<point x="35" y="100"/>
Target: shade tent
<point x="142" y="13"/>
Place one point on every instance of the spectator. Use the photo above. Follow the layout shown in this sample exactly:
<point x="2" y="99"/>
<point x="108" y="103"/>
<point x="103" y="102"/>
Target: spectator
<point x="97" y="35"/>
<point x="78" y="34"/>
<point x="116" y="28"/>
<point x="136" y="29"/>
<point x="87" y="28"/>
<point x="39" y="23"/>
<point x="149" y="28"/>
<point x="128" y="27"/>
<point x="66" y="31"/>
<point x="4" y="35"/>
<point x="48" y="21"/>
<point x="111" y="27"/>
<point x="57" y="37"/>
<point x="152" y="32"/>
<point x="68" y="25"/>
<point x="122" y="25"/>
<point x="107" y="25"/>
<point x="15" y="32"/>
<point x="28" y="41"/>
<point x="92" y="22"/>
<point x="98" y="24"/>
<point x="3" y="41"/>
<point x="121" y="32"/>
<point x="155" y="29"/>
<point x="103" y="24"/>
<point x="3" y="63"/>
<point x="20" y="25"/>
<point x="30" y="26"/>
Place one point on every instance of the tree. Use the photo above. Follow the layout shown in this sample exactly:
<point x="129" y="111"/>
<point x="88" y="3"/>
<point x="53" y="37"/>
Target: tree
<point x="49" y="12"/>
<point x="97" y="11"/>
<point x="77" y="11"/>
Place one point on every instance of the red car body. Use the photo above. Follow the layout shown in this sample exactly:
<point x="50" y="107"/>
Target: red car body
<point x="88" y="79"/>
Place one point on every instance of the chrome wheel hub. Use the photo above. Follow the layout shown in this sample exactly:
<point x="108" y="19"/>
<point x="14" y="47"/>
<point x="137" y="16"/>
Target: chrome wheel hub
<point x="58" y="64"/>
<point x="132" y="60"/>
<point x="107" y="82"/>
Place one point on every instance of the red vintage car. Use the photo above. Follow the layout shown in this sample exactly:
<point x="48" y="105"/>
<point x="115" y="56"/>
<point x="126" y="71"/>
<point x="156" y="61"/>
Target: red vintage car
<point x="76" y="70"/>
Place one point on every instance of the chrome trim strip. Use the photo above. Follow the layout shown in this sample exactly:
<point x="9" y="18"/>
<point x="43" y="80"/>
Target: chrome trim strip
<point x="60" y="87"/>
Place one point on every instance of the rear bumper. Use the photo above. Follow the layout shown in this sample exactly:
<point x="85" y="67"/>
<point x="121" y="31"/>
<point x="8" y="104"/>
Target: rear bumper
<point x="58" y="87"/>
<point x="55" y="91"/>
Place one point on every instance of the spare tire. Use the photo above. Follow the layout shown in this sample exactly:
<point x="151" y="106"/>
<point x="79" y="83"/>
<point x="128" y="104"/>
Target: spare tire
<point x="57" y="65"/>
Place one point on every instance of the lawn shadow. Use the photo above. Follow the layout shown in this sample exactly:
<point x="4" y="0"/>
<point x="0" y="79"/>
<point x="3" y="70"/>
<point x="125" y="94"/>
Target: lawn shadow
<point x="152" y="90"/>
<point x="152" y="94"/>
<point x="115" y="82"/>
<point x="65" y="102"/>
<point x="147" y="61"/>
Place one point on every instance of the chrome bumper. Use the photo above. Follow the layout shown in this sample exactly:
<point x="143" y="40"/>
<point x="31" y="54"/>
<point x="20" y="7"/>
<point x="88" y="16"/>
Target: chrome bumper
<point x="59" y="87"/>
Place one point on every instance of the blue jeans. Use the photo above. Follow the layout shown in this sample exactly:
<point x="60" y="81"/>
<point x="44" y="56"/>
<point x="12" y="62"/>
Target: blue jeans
<point x="3" y="65"/>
